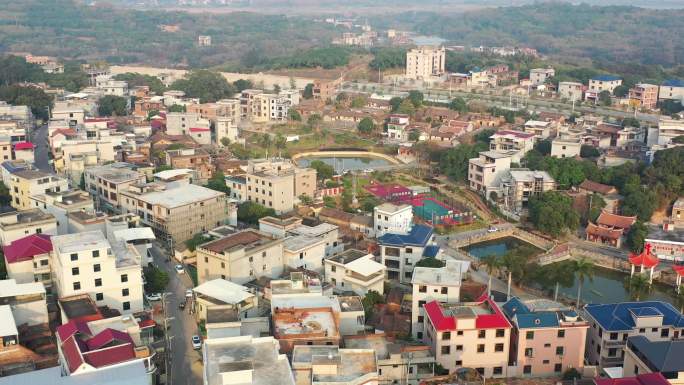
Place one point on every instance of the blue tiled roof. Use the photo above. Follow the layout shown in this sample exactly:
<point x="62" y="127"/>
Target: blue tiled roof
<point x="673" y="83"/>
<point x="431" y="251"/>
<point x="10" y="166"/>
<point x="514" y="306"/>
<point x="606" y="78"/>
<point x="619" y="316"/>
<point x="665" y="356"/>
<point x="419" y="236"/>
<point x="524" y="318"/>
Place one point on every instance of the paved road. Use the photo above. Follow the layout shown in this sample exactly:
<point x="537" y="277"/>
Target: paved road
<point x="186" y="365"/>
<point x="539" y="105"/>
<point x="39" y="139"/>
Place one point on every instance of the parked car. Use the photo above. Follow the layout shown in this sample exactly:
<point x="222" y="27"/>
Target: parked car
<point x="153" y="297"/>
<point x="188" y="293"/>
<point x="196" y="342"/>
<point x="492" y="230"/>
<point x="181" y="305"/>
<point x="179" y="269"/>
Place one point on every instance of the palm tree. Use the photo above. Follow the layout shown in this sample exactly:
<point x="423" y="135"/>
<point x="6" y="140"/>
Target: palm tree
<point x="680" y="299"/>
<point x="509" y="262"/>
<point x="637" y="286"/>
<point x="561" y="274"/>
<point x="491" y="263"/>
<point x="583" y="268"/>
<point x="280" y="143"/>
<point x="265" y="141"/>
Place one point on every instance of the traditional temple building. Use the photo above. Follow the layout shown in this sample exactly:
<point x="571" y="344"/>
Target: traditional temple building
<point x="609" y="228"/>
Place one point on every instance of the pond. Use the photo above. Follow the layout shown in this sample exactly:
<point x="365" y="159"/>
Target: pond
<point x="342" y="164"/>
<point x="608" y="287"/>
<point x="500" y="246"/>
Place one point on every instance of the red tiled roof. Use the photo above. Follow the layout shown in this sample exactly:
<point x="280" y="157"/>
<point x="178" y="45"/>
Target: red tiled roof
<point x="72" y="354"/>
<point x="597" y="187"/>
<point x="146" y="323"/>
<point x="441" y="322"/>
<point x="604" y="232"/>
<point x="23" y="146"/>
<point x="645" y="259"/>
<point x="110" y="356"/>
<point x="72" y="327"/>
<point x="106" y="336"/>
<point x="24" y="249"/>
<point x="607" y="219"/>
<point x="64" y="131"/>
<point x="642" y="379"/>
<point x="679" y="269"/>
<point x="198" y="129"/>
<point x="96" y="120"/>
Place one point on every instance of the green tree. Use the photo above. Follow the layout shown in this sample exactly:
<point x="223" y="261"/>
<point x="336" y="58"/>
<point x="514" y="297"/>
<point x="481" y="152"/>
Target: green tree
<point x="584" y="269"/>
<point x="552" y="213"/>
<point x="414" y="135"/>
<point x="160" y="168"/>
<point x="604" y="98"/>
<point x="387" y="57"/>
<point x="308" y="91"/>
<point x="156" y="279"/>
<point x="430" y="262"/>
<point x="394" y="103"/>
<point x="329" y="202"/>
<point x="416" y="98"/>
<point x="111" y="105"/>
<point x="305" y="200"/>
<point x="492" y="263"/>
<point x="543" y="146"/>
<point x="630" y="122"/>
<point x="314" y="121"/>
<point x="406" y="107"/>
<point x="587" y="151"/>
<point x="81" y="184"/>
<point x="638" y="286"/>
<point x="636" y="237"/>
<point x="594" y="208"/>
<point x="366" y="126"/>
<point x="358" y="102"/>
<point x="218" y="183"/>
<point x="141" y="80"/>
<point x="458" y="104"/>
<point x="280" y="143"/>
<point x="571" y="374"/>
<point x="323" y="170"/>
<point x="176" y="108"/>
<point x="243" y="84"/>
<point x="454" y="162"/>
<point x="294" y="115"/>
<point x="196" y="240"/>
<point x="225" y="141"/>
<point x="369" y="301"/>
<point x="33" y="97"/>
<point x="561" y="274"/>
<point x="621" y="91"/>
<point x="250" y="212"/>
<point x="206" y="85"/>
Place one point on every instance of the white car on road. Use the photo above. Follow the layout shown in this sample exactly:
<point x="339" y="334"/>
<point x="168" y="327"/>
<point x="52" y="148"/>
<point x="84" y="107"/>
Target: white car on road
<point x="196" y="342"/>
<point x="179" y="269"/>
<point x="153" y="297"/>
<point x="188" y="293"/>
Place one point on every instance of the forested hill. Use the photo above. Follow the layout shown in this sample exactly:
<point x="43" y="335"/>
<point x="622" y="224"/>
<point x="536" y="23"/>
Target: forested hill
<point x="71" y="30"/>
<point x="613" y="33"/>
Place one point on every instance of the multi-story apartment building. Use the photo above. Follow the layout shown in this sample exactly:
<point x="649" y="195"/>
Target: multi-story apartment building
<point x="86" y="263"/>
<point x="519" y="185"/>
<point x="539" y="76"/>
<point x="547" y="337"/>
<point x="246" y="97"/>
<point x="303" y="251"/>
<point x="486" y="171"/>
<point x="27" y="259"/>
<point x="180" y="123"/>
<point x="572" y="91"/>
<point x="193" y="159"/>
<point x="355" y="270"/>
<point x="224" y="108"/>
<point x="26" y="301"/>
<point x="61" y="204"/>
<point x="425" y="62"/>
<point x="240" y="257"/>
<point x="612" y="324"/>
<point x="73" y="114"/>
<point x="113" y="87"/>
<point x="176" y="211"/>
<point x="566" y="147"/>
<point x="397" y="127"/>
<point x="306" y="322"/>
<point x="643" y="356"/>
<point x="328" y="233"/>
<point x="540" y="129"/>
<point x="312" y="365"/>
<point x="107" y="183"/>
<point x="72" y="157"/>
<point x="644" y="95"/>
<point x="671" y="90"/>
<point x="391" y="218"/>
<point x="226" y="128"/>
<point x="26" y="183"/>
<point x="471" y="335"/>
<point x="400" y="252"/>
<point x="604" y="83"/>
<point x="510" y="140"/>
<point x="278" y="184"/>
<point x="667" y="130"/>
<point x="220" y="294"/>
<point x="18" y="224"/>
<point x="441" y="284"/>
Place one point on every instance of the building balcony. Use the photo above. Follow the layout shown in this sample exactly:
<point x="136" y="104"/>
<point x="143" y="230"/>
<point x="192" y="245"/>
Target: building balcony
<point x="611" y="361"/>
<point x="613" y="343"/>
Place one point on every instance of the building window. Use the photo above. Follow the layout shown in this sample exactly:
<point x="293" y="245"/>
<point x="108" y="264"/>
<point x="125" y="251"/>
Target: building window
<point x="459" y="363"/>
<point x="642" y="330"/>
<point x="96" y="267"/>
<point x="561" y="333"/>
<point x="498" y="370"/>
<point x="499" y="347"/>
<point x="333" y="268"/>
<point x="459" y="347"/>
<point x="500" y="332"/>
<point x="482" y="334"/>
<point x="99" y="297"/>
<point x="664" y="332"/>
<point x="223" y="265"/>
<point x="545" y="362"/>
<point x="480" y="371"/>
<point x="527" y="369"/>
<point x="529" y="352"/>
<point x="124" y="277"/>
<point x="446" y="336"/>
<point x="124" y="292"/>
<point x="251" y="259"/>
<point x="127" y="305"/>
<point x="558" y="368"/>
<point x="559" y="350"/>
<point x="421" y="319"/>
<point x="529" y="335"/>
<point x="459" y="332"/>
<point x="74" y="256"/>
<point x="480" y="348"/>
<point x="614" y="336"/>
<point x="422" y="289"/>
<point x="98" y="282"/>
<point x="96" y="253"/>
<point x="446" y="349"/>
<point x="409" y="250"/>
<point x="445" y="290"/>
<point x="419" y="335"/>
<point x="263" y="254"/>
<point x="77" y="286"/>
<point x="74" y="271"/>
